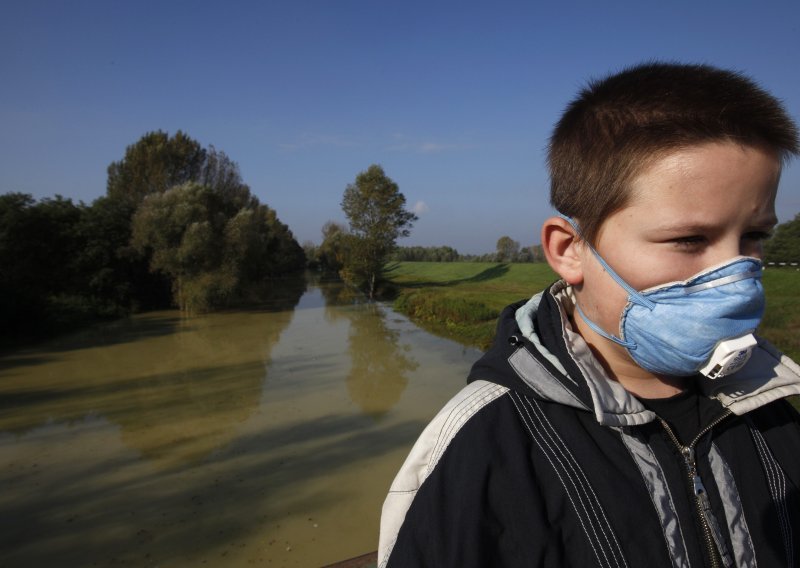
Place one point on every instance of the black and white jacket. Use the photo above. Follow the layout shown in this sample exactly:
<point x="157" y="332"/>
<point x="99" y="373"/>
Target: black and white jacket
<point x="541" y="460"/>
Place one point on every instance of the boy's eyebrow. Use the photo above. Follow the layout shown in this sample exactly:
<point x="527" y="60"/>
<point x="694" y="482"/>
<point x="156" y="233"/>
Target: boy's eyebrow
<point x="684" y="228"/>
<point x="766" y="222"/>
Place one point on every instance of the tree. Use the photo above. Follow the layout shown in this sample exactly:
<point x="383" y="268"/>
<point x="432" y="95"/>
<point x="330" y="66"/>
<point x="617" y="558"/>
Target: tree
<point x="311" y="250"/>
<point x="221" y="174"/>
<point x="275" y="250"/>
<point x="114" y="274"/>
<point x="525" y="254"/>
<point x="155" y="163"/>
<point x="43" y="285"/>
<point x="507" y="249"/>
<point x="211" y="251"/>
<point x="331" y="251"/>
<point x="538" y="253"/>
<point x="216" y="237"/>
<point x="36" y="247"/>
<point x="181" y="228"/>
<point x="426" y="254"/>
<point x="784" y="246"/>
<point x="158" y="162"/>
<point x="375" y="209"/>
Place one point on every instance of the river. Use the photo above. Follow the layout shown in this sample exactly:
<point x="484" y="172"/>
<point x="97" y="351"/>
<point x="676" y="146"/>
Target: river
<point x="260" y="437"/>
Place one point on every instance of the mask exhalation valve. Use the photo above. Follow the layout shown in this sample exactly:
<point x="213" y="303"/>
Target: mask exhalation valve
<point x="729" y="356"/>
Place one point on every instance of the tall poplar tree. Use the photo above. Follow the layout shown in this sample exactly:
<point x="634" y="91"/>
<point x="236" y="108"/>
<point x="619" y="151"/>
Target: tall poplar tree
<point x="375" y="209"/>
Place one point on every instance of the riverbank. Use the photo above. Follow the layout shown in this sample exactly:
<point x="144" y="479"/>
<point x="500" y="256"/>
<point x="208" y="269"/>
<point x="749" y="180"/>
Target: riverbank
<point x="463" y="299"/>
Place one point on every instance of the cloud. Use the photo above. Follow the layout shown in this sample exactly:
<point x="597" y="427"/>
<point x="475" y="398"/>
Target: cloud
<point x="404" y="144"/>
<point x="433" y="147"/>
<point x="307" y="140"/>
<point x="420" y="207"/>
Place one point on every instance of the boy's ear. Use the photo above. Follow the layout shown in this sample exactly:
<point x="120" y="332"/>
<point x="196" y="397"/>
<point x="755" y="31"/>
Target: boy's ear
<point x="562" y="248"/>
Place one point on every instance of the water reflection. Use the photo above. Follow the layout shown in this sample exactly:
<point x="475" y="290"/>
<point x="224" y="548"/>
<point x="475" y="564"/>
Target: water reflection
<point x="379" y="363"/>
<point x="176" y="395"/>
<point x="261" y="437"/>
<point x="336" y="294"/>
<point x="378" y="375"/>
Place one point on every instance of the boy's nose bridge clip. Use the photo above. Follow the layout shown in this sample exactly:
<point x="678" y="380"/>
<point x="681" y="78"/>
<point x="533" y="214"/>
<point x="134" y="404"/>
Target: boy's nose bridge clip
<point x="730" y="279"/>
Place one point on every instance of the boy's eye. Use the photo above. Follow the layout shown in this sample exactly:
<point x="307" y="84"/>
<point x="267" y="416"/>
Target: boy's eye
<point x="690" y="243"/>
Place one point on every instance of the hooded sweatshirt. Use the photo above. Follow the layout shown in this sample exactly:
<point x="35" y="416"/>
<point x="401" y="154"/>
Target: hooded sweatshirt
<point x="543" y="460"/>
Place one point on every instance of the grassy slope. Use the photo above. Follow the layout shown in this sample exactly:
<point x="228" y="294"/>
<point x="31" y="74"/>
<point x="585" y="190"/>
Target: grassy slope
<point x="461" y="300"/>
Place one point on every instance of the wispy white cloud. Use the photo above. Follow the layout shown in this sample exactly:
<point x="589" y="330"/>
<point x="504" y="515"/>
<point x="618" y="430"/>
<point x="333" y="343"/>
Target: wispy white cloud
<point x="405" y="144"/>
<point x="420" y="207"/>
<point x="309" y="140"/>
<point x="433" y="147"/>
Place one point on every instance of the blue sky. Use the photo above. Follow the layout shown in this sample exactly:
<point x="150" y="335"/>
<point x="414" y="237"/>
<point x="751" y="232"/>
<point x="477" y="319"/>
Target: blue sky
<point x="454" y="99"/>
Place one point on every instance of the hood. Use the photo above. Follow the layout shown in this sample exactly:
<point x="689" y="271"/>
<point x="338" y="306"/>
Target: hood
<point x="536" y="353"/>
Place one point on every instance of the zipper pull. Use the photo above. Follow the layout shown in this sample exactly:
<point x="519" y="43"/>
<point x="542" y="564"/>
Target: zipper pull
<point x="710" y="520"/>
<point x="688" y="456"/>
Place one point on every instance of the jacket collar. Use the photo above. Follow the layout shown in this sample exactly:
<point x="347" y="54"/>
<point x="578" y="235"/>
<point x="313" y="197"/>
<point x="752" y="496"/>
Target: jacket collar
<point x="768" y="375"/>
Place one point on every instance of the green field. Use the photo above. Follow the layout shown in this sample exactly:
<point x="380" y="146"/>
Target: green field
<point x="462" y="299"/>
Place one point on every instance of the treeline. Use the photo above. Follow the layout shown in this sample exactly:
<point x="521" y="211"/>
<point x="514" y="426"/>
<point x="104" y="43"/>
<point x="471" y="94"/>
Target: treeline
<point x="177" y="227"/>
<point x="531" y="253"/>
<point x="425" y="254"/>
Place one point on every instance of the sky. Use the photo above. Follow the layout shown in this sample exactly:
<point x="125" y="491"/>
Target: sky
<point x="456" y="100"/>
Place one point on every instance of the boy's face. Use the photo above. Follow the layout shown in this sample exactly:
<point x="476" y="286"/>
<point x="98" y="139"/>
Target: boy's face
<point x="690" y="210"/>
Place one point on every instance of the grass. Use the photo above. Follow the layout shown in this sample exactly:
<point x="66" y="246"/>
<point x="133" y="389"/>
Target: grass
<point x="462" y="300"/>
<point x="781" y="323"/>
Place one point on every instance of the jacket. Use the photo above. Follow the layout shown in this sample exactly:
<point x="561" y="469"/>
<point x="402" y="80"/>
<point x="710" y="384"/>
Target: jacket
<point x="542" y="460"/>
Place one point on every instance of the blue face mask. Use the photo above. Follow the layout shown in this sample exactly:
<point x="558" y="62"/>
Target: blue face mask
<point x="703" y="324"/>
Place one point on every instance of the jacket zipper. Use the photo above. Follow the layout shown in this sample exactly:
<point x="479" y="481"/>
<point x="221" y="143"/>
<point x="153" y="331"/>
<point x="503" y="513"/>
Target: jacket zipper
<point x="713" y="538"/>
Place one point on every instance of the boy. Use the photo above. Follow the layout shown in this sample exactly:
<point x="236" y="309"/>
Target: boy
<point x="627" y="416"/>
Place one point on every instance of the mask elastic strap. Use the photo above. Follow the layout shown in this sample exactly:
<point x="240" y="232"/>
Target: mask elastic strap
<point x="633" y="296"/>
<point x="601" y="331"/>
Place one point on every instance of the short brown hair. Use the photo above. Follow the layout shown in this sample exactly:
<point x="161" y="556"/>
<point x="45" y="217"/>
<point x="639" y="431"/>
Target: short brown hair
<point x="619" y="125"/>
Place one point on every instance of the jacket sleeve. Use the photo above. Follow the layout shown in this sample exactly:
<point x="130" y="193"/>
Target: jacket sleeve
<point x="450" y="504"/>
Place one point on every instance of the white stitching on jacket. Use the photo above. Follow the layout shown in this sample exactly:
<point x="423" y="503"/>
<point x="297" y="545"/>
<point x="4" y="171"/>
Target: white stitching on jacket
<point x="777" y="488"/>
<point x="553" y="447"/>
<point x="585" y="481"/>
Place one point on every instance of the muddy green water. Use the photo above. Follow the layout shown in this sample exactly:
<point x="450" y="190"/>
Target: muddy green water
<point x="264" y="437"/>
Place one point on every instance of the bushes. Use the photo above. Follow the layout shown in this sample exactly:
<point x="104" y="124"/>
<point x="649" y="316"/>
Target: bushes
<point x="431" y="305"/>
<point x="463" y="319"/>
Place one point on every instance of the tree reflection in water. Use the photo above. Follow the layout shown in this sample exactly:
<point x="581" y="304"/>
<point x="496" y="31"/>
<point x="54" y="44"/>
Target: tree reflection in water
<point x="219" y="383"/>
<point x="379" y="364"/>
<point x="377" y="377"/>
<point x="177" y="387"/>
<point x="236" y="438"/>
